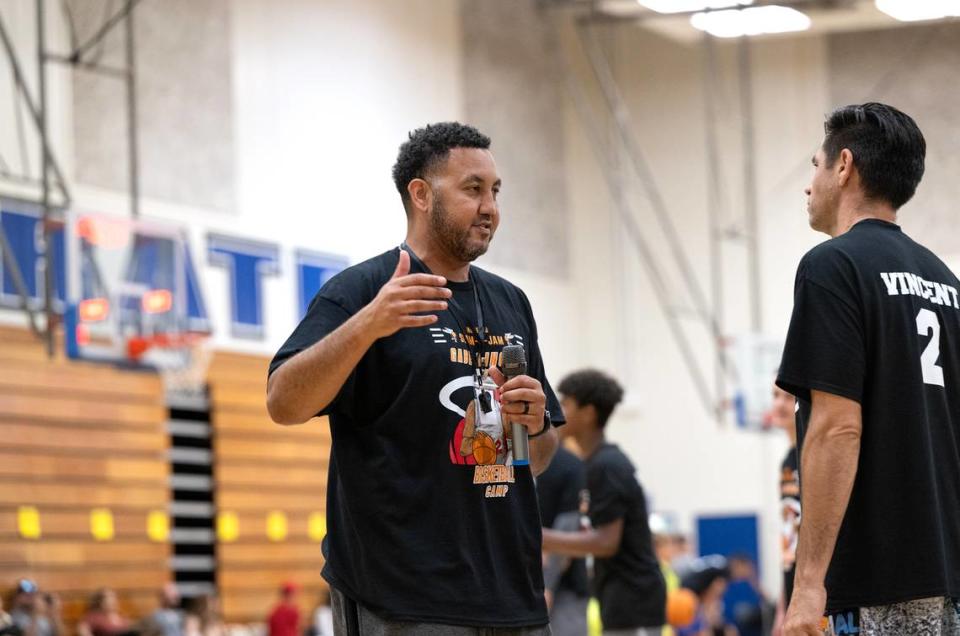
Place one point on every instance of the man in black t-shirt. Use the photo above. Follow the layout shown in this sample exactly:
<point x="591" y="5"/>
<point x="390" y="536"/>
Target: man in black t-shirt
<point x="627" y="579"/>
<point x="433" y="524"/>
<point x="873" y="356"/>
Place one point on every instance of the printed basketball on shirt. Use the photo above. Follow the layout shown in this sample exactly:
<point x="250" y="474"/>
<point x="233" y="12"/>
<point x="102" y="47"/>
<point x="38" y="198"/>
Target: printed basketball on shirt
<point x="408" y="443"/>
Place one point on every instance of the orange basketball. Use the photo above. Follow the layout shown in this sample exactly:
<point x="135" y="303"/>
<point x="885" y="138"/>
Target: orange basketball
<point x="681" y="607"/>
<point x="484" y="449"/>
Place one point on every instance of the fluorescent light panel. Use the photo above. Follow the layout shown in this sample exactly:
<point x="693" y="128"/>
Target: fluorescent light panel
<point x="751" y="21"/>
<point x="912" y="10"/>
<point x="686" y="6"/>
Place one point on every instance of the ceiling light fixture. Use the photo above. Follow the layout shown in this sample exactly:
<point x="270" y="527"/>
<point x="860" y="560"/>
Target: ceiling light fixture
<point x="687" y="6"/>
<point x="752" y="21"/>
<point x="912" y="10"/>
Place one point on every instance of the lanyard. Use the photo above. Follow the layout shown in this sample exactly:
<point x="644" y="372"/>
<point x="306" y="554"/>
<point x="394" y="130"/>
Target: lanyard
<point x="481" y="338"/>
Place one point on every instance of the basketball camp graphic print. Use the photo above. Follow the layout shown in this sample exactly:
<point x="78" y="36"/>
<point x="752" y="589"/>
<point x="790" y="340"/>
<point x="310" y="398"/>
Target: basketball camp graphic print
<point x="480" y="438"/>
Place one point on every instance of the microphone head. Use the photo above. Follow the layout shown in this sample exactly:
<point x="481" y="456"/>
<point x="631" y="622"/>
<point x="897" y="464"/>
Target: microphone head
<point x="514" y="360"/>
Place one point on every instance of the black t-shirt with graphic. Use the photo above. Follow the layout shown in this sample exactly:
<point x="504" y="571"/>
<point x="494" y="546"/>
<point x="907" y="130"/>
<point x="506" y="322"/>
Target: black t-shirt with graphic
<point x="876" y="319"/>
<point x="789" y="519"/>
<point x="427" y="518"/>
<point x="629" y="585"/>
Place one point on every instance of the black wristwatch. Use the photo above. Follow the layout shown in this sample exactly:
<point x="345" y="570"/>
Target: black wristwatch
<point x="546" y="425"/>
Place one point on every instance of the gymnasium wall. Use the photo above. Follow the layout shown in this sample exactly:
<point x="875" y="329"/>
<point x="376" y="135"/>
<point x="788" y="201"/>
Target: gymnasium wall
<point x="323" y="93"/>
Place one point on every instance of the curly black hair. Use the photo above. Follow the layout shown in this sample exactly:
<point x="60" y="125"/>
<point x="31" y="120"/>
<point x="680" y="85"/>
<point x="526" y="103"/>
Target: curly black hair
<point x="887" y="145"/>
<point x="589" y="386"/>
<point x="429" y="146"/>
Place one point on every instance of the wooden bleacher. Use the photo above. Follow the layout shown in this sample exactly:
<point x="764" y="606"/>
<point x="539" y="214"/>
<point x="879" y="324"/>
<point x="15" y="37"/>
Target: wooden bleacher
<point x="76" y="436"/>
<point x="261" y="467"/>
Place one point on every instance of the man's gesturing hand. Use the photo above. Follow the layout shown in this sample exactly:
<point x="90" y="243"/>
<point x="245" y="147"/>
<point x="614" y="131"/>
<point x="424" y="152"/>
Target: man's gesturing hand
<point x="522" y="399"/>
<point x="403" y="297"/>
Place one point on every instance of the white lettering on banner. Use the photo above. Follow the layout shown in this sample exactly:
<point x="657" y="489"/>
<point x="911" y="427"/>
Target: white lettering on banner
<point x="907" y="284"/>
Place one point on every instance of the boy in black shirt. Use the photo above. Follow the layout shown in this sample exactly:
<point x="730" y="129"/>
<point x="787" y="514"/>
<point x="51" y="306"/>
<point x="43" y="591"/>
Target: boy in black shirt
<point x="873" y="356"/>
<point x="627" y="578"/>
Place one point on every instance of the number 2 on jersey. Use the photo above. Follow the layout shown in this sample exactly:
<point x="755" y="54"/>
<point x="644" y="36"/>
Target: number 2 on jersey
<point x="928" y="322"/>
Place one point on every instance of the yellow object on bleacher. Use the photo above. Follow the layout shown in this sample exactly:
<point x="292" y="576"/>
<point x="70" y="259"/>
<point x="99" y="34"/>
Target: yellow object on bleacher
<point x="276" y="526"/>
<point x="28" y="522"/>
<point x="158" y="526"/>
<point x="317" y="526"/>
<point x="101" y="524"/>
<point x="228" y="527"/>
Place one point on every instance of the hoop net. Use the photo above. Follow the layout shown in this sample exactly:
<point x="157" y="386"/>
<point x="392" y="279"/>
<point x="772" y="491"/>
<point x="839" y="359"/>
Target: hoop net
<point x="181" y="359"/>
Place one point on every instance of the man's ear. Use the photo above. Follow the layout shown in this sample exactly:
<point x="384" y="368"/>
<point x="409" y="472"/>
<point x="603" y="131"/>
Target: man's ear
<point x="845" y="167"/>
<point x="421" y="195"/>
<point x="592" y="414"/>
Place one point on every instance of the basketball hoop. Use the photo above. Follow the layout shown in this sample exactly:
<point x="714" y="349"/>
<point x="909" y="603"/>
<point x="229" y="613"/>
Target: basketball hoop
<point x="180" y="358"/>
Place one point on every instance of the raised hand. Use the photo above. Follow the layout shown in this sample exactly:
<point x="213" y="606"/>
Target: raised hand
<point x="398" y="303"/>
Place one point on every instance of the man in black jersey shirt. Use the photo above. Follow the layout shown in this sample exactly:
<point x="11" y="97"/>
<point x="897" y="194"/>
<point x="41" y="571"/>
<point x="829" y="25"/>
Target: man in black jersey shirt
<point x="433" y="528"/>
<point x="873" y="356"/>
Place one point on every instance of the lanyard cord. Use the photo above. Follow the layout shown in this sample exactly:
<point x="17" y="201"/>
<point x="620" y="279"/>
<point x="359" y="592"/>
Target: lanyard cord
<point x="481" y="338"/>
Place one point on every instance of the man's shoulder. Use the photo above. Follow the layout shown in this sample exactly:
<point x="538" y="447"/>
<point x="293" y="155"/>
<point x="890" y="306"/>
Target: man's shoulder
<point x="933" y="265"/>
<point x="834" y="253"/>
<point x="609" y="459"/>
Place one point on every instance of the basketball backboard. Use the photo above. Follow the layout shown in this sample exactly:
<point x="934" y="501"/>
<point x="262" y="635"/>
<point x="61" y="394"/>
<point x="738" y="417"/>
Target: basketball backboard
<point x="133" y="292"/>
<point x="756" y="358"/>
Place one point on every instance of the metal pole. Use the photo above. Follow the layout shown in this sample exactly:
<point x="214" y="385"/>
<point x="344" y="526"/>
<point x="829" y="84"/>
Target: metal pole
<point x="21" y="83"/>
<point x="750" y="185"/>
<point x="617" y="106"/>
<point x="101" y="33"/>
<point x="93" y="67"/>
<point x="44" y="181"/>
<point x="657" y="281"/>
<point x="133" y="147"/>
<point x="715" y="198"/>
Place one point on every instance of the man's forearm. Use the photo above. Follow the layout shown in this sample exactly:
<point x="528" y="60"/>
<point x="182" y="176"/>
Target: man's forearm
<point x="310" y="380"/>
<point x="828" y="468"/>
<point x="542" y="449"/>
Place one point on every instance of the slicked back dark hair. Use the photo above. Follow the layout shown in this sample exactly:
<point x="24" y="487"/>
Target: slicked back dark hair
<point x="428" y="147"/>
<point x="887" y="146"/>
<point x="589" y="386"/>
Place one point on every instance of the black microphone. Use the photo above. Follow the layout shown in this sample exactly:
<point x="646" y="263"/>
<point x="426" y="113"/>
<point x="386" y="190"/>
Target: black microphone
<point x="513" y="359"/>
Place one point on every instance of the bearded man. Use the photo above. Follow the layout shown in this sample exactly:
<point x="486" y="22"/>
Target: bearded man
<point x="397" y="350"/>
